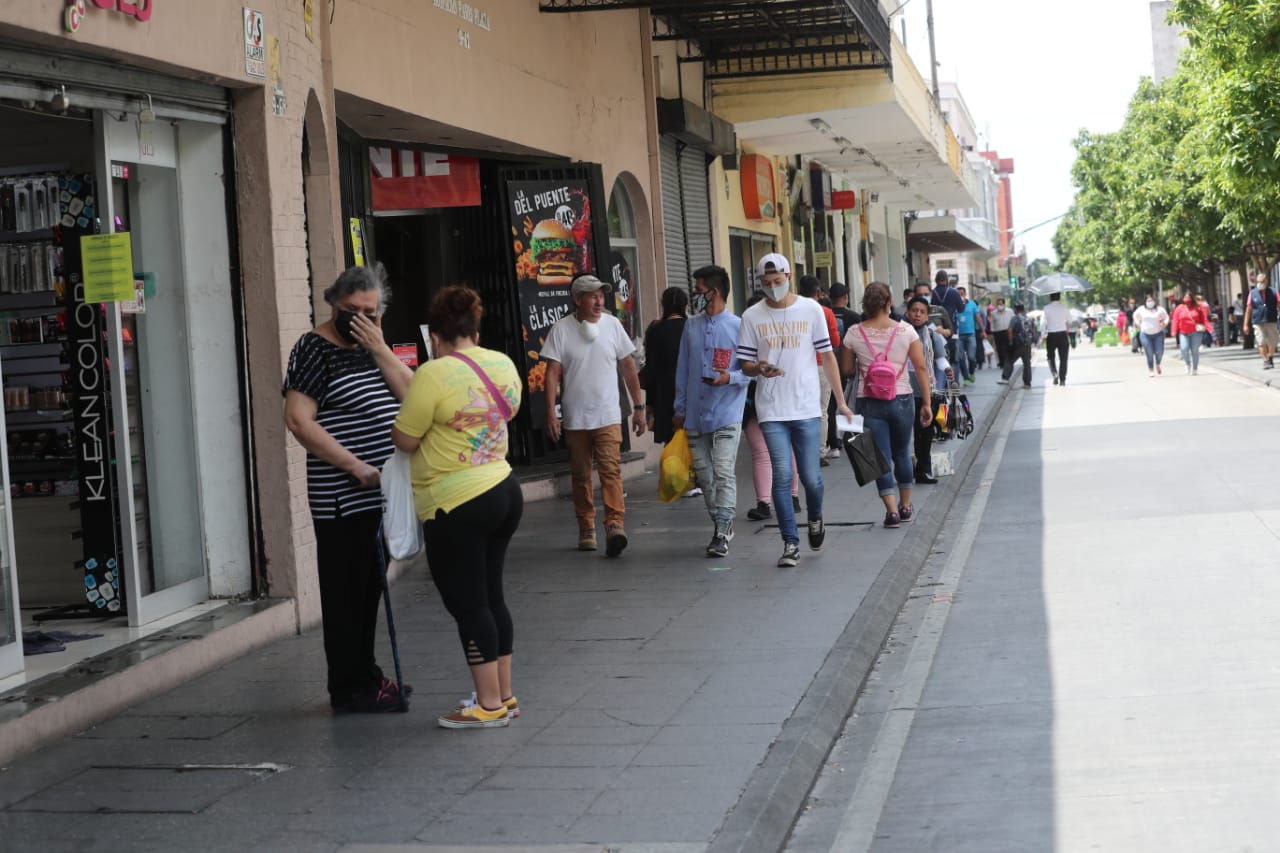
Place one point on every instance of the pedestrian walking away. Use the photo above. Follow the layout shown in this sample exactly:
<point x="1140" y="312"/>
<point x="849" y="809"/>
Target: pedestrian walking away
<point x="1189" y="323"/>
<point x="888" y="408"/>
<point x="587" y="349"/>
<point x="711" y="391"/>
<point x="778" y="343"/>
<point x="1056" y="342"/>
<point x="968" y="320"/>
<point x="1021" y="337"/>
<point x="342" y="389"/>
<point x="1260" y="315"/>
<point x="934" y="348"/>
<point x="1152" y="320"/>
<point x="661" y="348"/>
<point x="454" y="426"/>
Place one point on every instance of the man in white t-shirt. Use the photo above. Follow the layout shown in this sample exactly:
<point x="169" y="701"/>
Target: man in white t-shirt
<point x="1056" y="341"/>
<point x="587" y="348"/>
<point x="781" y="342"/>
<point x="1001" y="318"/>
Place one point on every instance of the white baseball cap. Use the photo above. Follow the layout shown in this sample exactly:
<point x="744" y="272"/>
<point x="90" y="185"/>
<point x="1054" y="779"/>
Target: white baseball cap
<point x="772" y="263"/>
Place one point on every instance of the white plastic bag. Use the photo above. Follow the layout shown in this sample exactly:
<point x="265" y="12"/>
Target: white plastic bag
<point x="400" y="517"/>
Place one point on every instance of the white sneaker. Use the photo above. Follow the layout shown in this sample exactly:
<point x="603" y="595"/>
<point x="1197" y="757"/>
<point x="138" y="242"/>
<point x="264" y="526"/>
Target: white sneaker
<point x="693" y="493"/>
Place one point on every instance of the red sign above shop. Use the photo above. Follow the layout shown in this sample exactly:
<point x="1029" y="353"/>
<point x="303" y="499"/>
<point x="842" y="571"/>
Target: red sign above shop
<point x="759" y="200"/>
<point x="73" y="15"/>
<point x="422" y="180"/>
<point x="844" y="200"/>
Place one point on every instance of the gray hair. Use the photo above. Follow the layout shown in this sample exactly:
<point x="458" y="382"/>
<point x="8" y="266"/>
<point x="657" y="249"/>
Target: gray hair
<point x="360" y="279"/>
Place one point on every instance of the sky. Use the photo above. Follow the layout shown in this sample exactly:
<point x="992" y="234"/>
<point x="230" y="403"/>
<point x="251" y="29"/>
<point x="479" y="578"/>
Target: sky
<point x="1033" y="73"/>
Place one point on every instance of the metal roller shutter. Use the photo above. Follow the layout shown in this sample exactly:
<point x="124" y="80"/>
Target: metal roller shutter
<point x="686" y="210"/>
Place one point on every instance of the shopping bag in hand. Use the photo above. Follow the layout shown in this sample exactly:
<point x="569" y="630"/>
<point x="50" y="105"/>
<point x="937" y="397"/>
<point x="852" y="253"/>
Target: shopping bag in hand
<point x="400" y="516"/>
<point x="675" y="469"/>
<point x="864" y="455"/>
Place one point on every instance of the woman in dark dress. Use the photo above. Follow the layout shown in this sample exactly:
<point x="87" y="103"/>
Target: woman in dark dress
<point x="661" y="350"/>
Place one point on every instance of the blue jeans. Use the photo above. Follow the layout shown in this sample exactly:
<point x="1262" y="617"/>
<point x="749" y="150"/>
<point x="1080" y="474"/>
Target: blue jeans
<point x="1153" y="346"/>
<point x="1190" y="346"/>
<point x="715" y="458"/>
<point x="968" y="355"/>
<point x="804" y="439"/>
<point x="890" y="423"/>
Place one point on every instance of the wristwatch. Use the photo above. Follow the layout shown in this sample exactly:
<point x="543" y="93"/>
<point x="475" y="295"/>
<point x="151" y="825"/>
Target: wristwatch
<point x="638" y="406"/>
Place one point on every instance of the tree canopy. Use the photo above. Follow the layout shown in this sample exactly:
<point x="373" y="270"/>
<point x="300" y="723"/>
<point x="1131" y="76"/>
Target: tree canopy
<point x="1187" y="185"/>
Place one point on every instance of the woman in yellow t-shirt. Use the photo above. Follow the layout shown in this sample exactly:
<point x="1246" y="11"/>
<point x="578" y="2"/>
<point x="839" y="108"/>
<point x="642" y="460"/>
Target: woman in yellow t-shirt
<point x="454" y="424"/>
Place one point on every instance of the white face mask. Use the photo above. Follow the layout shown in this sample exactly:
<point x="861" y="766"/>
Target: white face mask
<point x="590" y="331"/>
<point x="778" y="292"/>
<point x="1151" y="303"/>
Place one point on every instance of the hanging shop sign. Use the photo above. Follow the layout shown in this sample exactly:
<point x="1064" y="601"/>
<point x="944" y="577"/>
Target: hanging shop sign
<point x="309" y="19"/>
<point x="73" y="16"/>
<point x="822" y="259"/>
<point x="759" y="200"/>
<point x="844" y="200"/>
<point x="255" y="43"/>
<point x="422" y="180"/>
<point x="552" y="242"/>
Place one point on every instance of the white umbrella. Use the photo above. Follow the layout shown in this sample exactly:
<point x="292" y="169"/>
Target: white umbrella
<point x="1058" y="282"/>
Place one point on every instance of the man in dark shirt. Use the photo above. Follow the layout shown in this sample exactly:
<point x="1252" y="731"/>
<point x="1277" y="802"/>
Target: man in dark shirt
<point x="949" y="299"/>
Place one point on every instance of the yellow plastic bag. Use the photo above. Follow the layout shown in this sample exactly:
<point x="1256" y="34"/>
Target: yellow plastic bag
<point x="675" y="471"/>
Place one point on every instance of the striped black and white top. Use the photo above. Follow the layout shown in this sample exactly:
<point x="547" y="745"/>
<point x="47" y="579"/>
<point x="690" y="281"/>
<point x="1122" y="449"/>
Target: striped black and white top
<point x="356" y="407"/>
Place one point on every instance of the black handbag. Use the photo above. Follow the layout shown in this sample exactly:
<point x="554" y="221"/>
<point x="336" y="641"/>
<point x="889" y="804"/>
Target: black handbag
<point x="864" y="455"/>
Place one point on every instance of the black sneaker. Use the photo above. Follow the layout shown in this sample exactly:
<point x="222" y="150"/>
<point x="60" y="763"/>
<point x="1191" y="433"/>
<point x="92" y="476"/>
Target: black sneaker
<point x="790" y="555"/>
<point x="817" y="533"/>
<point x="759" y="512"/>
<point x="719" y="546"/>
<point x="892" y="520"/>
<point x="726" y="530"/>
<point x="380" y="700"/>
<point x="615" y="541"/>
<point x="905" y="513"/>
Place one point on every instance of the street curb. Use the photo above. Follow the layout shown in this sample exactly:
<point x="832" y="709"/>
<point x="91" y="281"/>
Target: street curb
<point x="775" y="795"/>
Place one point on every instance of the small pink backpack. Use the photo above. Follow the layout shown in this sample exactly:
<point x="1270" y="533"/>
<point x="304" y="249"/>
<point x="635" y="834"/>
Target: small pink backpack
<point x="881" y="382"/>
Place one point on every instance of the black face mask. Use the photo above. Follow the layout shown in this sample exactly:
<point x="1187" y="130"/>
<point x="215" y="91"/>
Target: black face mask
<point x="342" y="325"/>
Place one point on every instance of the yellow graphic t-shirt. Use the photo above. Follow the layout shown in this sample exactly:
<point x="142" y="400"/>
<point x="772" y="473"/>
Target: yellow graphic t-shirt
<point x="464" y="436"/>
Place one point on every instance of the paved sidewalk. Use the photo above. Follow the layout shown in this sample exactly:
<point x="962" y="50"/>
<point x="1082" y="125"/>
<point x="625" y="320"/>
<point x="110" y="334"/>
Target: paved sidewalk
<point x="667" y="699"/>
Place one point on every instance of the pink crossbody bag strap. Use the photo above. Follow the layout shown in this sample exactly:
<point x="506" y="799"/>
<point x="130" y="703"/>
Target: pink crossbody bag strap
<point x="498" y="399"/>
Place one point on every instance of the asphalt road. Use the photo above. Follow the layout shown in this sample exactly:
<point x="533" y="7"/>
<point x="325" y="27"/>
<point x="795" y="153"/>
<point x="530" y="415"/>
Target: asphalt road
<point x="1088" y="660"/>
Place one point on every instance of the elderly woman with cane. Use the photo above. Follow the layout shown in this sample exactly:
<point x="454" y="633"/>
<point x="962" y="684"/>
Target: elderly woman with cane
<point x="454" y="426"/>
<point x="342" y="390"/>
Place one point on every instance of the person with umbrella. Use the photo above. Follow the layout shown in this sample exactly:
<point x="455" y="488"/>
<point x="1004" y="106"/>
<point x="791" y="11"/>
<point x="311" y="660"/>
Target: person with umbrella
<point x="1056" y="342"/>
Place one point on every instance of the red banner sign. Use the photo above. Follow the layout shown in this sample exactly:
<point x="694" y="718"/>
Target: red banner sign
<point x="844" y="200"/>
<point x="421" y="180"/>
<point x="759" y="201"/>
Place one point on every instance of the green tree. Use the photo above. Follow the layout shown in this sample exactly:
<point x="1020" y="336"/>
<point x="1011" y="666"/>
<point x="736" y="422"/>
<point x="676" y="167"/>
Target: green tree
<point x="1235" y="55"/>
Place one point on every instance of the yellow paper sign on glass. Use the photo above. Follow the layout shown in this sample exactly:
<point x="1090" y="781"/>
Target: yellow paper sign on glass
<point x="108" y="267"/>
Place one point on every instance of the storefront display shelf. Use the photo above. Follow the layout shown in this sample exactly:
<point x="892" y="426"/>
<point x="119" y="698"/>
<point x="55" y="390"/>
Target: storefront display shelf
<point x="51" y="416"/>
<point x="44" y="343"/>
<point x="26" y="236"/>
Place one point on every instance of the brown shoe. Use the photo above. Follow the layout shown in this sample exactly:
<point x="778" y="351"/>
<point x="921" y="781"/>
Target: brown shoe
<point x="614" y="541"/>
<point x="587" y="539"/>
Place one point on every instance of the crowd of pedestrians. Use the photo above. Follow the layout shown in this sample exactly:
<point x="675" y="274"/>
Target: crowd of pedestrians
<point x="797" y="362"/>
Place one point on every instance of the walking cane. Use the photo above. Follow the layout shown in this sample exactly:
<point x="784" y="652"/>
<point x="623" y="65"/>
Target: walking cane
<point x="391" y="622"/>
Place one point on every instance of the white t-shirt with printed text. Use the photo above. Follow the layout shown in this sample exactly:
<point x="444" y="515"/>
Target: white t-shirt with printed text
<point x="589" y="382"/>
<point x="789" y="338"/>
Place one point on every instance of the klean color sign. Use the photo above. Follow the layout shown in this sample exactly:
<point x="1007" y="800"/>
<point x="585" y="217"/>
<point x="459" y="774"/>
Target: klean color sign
<point x="844" y="200"/>
<point x="759" y="200"/>
<point x="73" y="15"/>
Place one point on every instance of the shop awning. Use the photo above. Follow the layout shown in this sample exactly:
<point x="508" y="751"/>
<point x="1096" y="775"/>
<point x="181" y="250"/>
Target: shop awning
<point x="951" y="234"/>
<point x="754" y="38"/>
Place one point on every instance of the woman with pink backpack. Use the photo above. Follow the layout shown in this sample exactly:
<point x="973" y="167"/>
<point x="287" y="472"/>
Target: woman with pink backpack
<point x="882" y="347"/>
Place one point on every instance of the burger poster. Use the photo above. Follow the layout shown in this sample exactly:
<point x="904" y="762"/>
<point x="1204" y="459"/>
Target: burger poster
<point x="552" y="241"/>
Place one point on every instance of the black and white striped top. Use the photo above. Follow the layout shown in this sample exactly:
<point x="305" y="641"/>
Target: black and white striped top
<point x="356" y="407"/>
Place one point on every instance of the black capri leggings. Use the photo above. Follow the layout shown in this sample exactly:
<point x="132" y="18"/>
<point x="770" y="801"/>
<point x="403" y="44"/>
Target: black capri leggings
<point x="466" y="549"/>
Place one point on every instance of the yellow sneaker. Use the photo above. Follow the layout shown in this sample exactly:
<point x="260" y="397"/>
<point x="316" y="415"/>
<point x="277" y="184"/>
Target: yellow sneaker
<point x="512" y="705"/>
<point x="475" y="717"/>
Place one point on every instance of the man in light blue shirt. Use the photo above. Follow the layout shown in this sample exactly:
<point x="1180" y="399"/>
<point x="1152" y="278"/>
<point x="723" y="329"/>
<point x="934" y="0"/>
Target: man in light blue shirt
<point x="967" y="319"/>
<point x="711" y="391"/>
